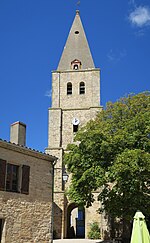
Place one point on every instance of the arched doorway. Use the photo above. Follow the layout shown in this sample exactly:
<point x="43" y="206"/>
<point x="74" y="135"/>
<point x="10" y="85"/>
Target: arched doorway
<point x="75" y="221"/>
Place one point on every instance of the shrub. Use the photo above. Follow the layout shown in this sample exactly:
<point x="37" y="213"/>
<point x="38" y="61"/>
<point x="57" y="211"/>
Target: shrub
<point x="94" y="232"/>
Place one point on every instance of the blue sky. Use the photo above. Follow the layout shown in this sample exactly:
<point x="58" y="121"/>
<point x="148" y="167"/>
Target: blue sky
<point x="32" y="37"/>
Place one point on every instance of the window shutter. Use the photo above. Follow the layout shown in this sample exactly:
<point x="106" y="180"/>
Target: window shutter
<point x="25" y="179"/>
<point x="2" y="174"/>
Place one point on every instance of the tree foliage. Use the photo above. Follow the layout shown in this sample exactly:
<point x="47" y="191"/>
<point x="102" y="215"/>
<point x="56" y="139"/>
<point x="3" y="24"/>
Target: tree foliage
<point x="112" y="154"/>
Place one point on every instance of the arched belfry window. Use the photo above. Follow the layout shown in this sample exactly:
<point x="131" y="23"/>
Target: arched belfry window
<point x="82" y="88"/>
<point x="69" y="88"/>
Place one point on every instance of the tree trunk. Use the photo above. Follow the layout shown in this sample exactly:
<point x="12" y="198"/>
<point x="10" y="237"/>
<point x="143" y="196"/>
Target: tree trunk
<point x="126" y="233"/>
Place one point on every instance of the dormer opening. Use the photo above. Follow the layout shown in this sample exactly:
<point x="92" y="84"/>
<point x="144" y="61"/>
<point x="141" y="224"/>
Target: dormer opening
<point x="76" y="64"/>
<point x="75" y="67"/>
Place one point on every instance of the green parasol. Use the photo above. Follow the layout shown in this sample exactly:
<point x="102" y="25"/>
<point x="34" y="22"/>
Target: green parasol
<point x="140" y="233"/>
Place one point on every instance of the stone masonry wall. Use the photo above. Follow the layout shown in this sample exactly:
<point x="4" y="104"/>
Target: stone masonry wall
<point x="28" y="218"/>
<point x="25" y="221"/>
<point x="91" y="98"/>
<point x="54" y="131"/>
<point x="64" y="109"/>
<point x="84" y="115"/>
<point x="92" y="216"/>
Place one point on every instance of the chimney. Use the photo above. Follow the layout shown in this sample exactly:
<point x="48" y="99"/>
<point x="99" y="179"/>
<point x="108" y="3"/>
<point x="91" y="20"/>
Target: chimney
<point x="18" y="133"/>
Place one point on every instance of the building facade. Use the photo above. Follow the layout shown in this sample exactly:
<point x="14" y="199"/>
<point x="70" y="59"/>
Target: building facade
<point x="26" y="191"/>
<point x="75" y="100"/>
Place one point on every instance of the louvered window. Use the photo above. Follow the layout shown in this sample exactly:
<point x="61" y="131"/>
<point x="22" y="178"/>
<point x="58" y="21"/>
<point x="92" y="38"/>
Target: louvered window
<point x="13" y="176"/>
<point x="69" y="88"/>
<point x="82" y="88"/>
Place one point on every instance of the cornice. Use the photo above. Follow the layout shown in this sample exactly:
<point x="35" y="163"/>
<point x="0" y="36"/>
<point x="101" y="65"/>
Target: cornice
<point x="27" y="151"/>
<point x="77" y="71"/>
<point x="70" y="109"/>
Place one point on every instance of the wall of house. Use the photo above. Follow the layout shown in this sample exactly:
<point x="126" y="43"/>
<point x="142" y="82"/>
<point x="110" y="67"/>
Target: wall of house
<point x="27" y="217"/>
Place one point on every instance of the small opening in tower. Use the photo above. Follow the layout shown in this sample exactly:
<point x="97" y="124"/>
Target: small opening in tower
<point x="75" y="128"/>
<point x="76" y="67"/>
<point x="76" y="32"/>
<point x="76" y="64"/>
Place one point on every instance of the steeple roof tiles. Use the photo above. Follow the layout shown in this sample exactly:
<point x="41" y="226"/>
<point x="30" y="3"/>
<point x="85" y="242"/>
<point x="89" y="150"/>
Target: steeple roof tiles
<point x="76" y="47"/>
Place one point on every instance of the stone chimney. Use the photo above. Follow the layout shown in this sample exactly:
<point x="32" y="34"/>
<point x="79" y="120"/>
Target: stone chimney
<point x="18" y="133"/>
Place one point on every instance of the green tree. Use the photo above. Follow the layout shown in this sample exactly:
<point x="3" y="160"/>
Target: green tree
<point x="113" y="153"/>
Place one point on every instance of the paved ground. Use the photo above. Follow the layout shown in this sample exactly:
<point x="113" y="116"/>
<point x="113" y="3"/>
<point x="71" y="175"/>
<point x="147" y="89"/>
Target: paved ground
<point x="77" y="241"/>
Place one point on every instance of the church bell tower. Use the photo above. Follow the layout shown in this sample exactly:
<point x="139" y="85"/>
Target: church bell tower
<point x="75" y="100"/>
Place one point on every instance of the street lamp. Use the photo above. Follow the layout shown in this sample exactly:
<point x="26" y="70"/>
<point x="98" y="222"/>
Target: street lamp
<point x="65" y="176"/>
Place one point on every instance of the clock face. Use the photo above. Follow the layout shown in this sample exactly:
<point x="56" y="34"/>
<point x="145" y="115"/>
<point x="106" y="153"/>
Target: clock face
<point x="75" y="121"/>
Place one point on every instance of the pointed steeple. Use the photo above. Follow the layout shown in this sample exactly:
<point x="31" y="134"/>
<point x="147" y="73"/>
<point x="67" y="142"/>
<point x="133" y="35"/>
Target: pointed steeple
<point x="76" y="48"/>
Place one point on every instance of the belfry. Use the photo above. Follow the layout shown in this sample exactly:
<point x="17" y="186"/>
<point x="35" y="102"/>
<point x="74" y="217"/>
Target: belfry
<point x="75" y="100"/>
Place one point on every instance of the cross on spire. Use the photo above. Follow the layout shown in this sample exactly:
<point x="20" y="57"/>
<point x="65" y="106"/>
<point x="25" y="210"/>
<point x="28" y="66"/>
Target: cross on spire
<point x="78" y="3"/>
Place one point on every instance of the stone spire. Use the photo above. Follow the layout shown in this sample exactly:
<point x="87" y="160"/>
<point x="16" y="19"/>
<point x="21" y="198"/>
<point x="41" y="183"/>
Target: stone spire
<point x="76" y="48"/>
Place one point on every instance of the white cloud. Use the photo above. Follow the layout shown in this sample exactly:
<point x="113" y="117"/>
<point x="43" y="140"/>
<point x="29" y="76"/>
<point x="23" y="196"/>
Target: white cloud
<point x="48" y="93"/>
<point x="140" y="16"/>
<point x="140" y="32"/>
<point x="111" y="56"/>
<point x="116" y="56"/>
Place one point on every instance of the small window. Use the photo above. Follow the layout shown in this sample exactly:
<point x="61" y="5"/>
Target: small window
<point x="76" y="64"/>
<point x="75" y="128"/>
<point x="76" y="67"/>
<point x="69" y="88"/>
<point x="82" y="88"/>
<point x="12" y="178"/>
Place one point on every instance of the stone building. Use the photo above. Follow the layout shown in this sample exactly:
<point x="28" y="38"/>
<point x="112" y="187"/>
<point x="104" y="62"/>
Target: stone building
<point x="26" y="186"/>
<point x="75" y="100"/>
